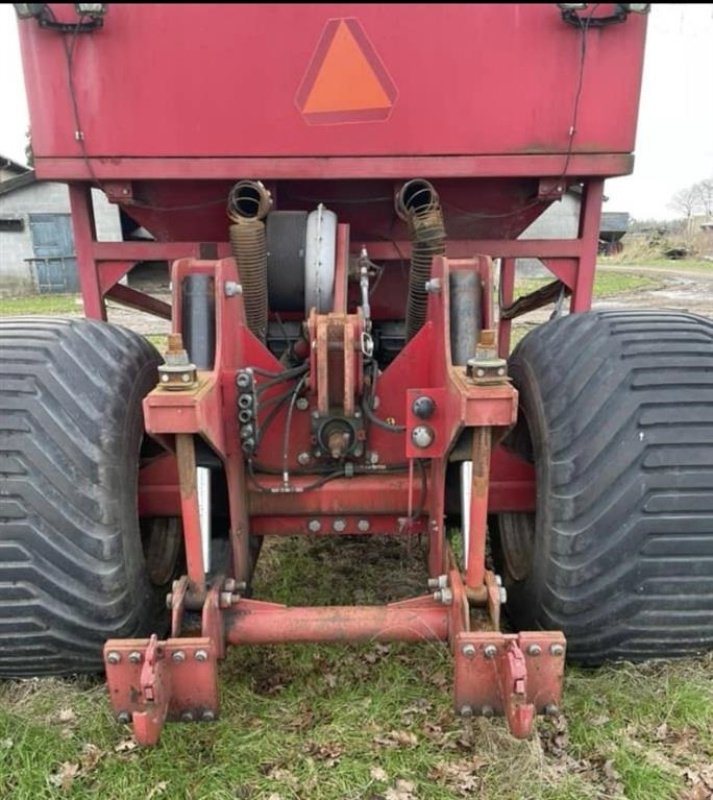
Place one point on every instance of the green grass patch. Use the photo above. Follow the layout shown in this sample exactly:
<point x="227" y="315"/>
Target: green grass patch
<point x="362" y="721"/>
<point x="606" y="284"/>
<point x="41" y="304"/>
<point x="668" y="264"/>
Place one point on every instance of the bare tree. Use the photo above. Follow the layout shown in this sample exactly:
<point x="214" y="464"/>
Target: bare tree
<point x="29" y="155"/>
<point x="686" y="201"/>
<point x="704" y="190"/>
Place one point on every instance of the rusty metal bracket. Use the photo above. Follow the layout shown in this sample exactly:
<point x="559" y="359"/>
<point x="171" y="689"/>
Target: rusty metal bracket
<point x="515" y="675"/>
<point x="151" y="682"/>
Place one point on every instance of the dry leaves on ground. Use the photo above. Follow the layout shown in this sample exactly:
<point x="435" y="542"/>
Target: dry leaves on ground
<point x="397" y="739"/>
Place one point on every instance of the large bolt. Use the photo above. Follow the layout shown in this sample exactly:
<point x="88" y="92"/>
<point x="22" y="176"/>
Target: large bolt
<point x="363" y="525"/>
<point x="534" y="650"/>
<point x="468" y="650"/>
<point x="487" y="711"/>
<point x="230" y="584"/>
<point x="123" y="717"/>
<point x="303" y="459"/>
<point x="208" y="716"/>
<point x="422" y="436"/>
<point x="314" y="526"/>
<point x="113" y="657"/>
<point x="556" y="650"/>
<point x="178" y="656"/>
<point x="551" y="710"/>
<point x="187" y="716"/>
<point x="339" y="525"/>
<point x="490" y="651"/>
<point x="231" y="288"/>
<point x="243" y="380"/>
<point x="444" y="596"/>
<point x="438" y="583"/>
<point x="134" y="657"/>
<point x="226" y="599"/>
<point x="201" y="655"/>
<point x="466" y="711"/>
<point x="302" y="404"/>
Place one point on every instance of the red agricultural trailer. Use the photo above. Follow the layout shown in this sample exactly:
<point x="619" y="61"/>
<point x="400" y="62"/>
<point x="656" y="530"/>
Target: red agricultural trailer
<point x="339" y="188"/>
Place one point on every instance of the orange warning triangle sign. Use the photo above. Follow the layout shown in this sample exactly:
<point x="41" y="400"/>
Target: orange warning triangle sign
<point x="346" y="81"/>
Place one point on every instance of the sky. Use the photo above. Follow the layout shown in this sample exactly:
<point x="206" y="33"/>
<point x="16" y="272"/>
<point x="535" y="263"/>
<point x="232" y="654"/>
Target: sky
<point x="674" y="143"/>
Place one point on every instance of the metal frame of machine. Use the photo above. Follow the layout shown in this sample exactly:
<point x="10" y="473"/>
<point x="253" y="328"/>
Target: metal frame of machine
<point x="428" y="403"/>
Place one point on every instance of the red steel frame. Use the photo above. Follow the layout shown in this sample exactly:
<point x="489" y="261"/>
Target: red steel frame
<point x="151" y="681"/>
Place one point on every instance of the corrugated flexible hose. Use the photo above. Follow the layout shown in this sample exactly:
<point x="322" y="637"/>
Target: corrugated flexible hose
<point x="419" y="205"/>
<point x="248" y="205"/>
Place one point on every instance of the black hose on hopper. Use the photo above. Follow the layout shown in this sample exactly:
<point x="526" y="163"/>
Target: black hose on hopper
<point x="248" y="204"/>
<point x="418" y="204"/>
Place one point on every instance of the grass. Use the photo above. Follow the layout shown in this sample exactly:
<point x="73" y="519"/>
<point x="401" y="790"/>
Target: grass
<point x="371" y="721"/>
<point x="367" y="722"/>
<point x="668" y="264"/>
<point x="41" y="304"/>
<point x="606" y="284"/>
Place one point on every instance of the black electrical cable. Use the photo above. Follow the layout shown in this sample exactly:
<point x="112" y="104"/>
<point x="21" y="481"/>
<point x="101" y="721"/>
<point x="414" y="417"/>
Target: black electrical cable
<point x="366" y="403"/>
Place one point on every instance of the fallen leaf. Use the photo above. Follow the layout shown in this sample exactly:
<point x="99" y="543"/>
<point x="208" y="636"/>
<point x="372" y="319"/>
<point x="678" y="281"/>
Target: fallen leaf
<point x="397" y="739"/>
<point x="403" y="790"/>
<point x="66" y="715"/>
<point x="65" y="775"/>
<point x="91" y="756"/>
<point x="158" y="789"/>
<point x="126" y="745"/>
<point x="661" y="733"/>
<point x="282" y="775"/>
<point x="378" y="774"/>
<point x="329" y="754"/>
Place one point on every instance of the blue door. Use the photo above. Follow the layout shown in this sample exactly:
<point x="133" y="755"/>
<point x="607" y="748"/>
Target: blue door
<point x="53" y="246"/>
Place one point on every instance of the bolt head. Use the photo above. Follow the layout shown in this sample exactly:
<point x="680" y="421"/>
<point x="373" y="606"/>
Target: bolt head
<point x="164" y="378"/>
<point x="551" y="710"/>
<point x="556" y="650"/>
<point x="113" y="657"/>
<point x="178" y="656"/>
<point x="373" y="457"/>
<point x="302" y="404"/>
<point x="490" y="651"/>
<point x="208" y="716"/>
<point x="363" y="525"/>
<point x="185" y="377"/>
<point x="534" y="650"/>
<point x="303" y="459"/>
<point x="226" y="599"/>
<point x="123" y="717"/>
<point x="487" y="711"/>
<point x="229" y="584"/>
<point x="466" y="711"/>
<point x="134" y="657"/>
<point x="201" y="655"/>
<point x="339" y="525"/>
<point x="468" y="650"/>
<point x="314" y="526"/>
<point x="422" y="436"/>
<point x="187" y="716"/>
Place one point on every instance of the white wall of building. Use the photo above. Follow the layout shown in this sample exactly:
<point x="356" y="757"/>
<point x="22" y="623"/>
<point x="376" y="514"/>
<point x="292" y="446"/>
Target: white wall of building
<point x="16" y="267"/>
